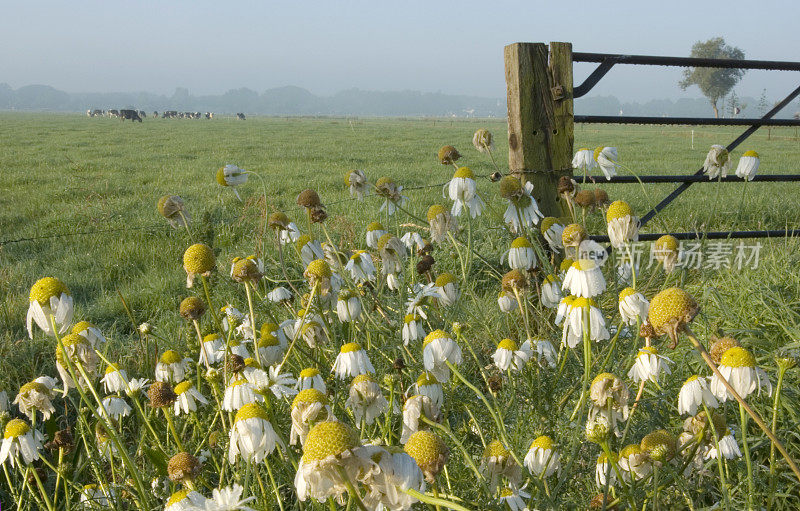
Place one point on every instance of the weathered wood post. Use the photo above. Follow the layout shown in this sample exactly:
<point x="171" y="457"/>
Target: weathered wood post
<point x="540" y="118"/>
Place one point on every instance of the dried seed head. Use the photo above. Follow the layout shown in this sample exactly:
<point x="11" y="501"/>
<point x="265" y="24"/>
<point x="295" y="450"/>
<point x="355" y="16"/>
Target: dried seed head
<point x="585" y="198"/>
<point x="245" y="270"/>
<point x="514" y="279"/>
<point x="425" y="264"/>
<point x="278" y="221"/>
<point x="670" y="311"/>
<point x="183" y="467"/>
<point x="308" y="198"/>
<point x="318" y="214"/>
<point x="573" y="235"/>
<point x="161" y="394"/>
<point x="495" y="177"/>
<point x="601" y="197"/>
<point x="169" y="205"/>
<point x="448" y="155"/>
<point x="566" y="185"/>
<point x="199" y="259"/>
<point x="235" y="363"/>
<point x="720" y="346"/>
<point x="192" y="308"/>
<point x="510" y="187"/>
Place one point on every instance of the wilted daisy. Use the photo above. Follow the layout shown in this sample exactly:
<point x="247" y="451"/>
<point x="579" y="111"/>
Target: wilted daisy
<point x="252" y="436"/>
<point x="510" y="356"/>
<point x="483" y="141"/>
<point x="551" y="292"/>
<point x="694" y="393"/>
<point x="584" y="309"/>
<point x="20" y="440"/>
<point x="365" y="399"/>
<point x="356" y="180"/>
<point x="97" y="496"/>
<point x="228" y="498"/>
<point x="412" y="328"/>
<point x="670" y="311"/>
<point x="609" y="400"/>
<point x="506" y="301"/>
<point x="348" y="306"/>
<point x="198" y="260"/>
<point x="319" y="274"/>
<point x="188" y="398"/>
<point x="49" y="299"/>
<point x="521" y="255"/>
<point x="634" y="463"/>
<point x="660" y="446"/>
<point x="312" y="332"/>
<point x="308" y="407"/>
<point x="447" y="289"/>
<point x="748" y="165"/>
<point x="172" y="367"/>
<point x="290" y="234"/>
<point x="584" y="160"/>
<point x="173" y="209"/>
<point x="623" y="226"/>
<point x="351" y="361"/>
<point x="571" y="238"/>
<point x="392" y="192"/>
<point x="310" y="378"/>
<point x="90" y="332"/>
<point x="603" y="470"/>
<point x="584" y="279"/>
<point x="522" y="211"/>
<point x="361" y="267"/>
<point x="239" y="393"/>
<point x="606" y="158"/>
<point x="332" y="459"/>
<point x="717" y="162"/>
<point x="279" y="295"/>
<point x="462" y="189"/>
<point x="271" y="344"/>
<point x="393" y="254"/>
<point x="114" y="407"/>
<point x="429" y="451"/>
<point x="514" y="498"/>
<point x="727" y="446"/>
<point x="542" y="459"/>
<point x="665" y="250"/>
<point x="185" y="500"/>
<point x="136" y="385"/>
<point x="428" y="385"/>
<point x="413" y="241"/>
<point x="374" y="232"/>
<point x="414" y="409"/>
<point x="76" y="351"/>
<point x="440" y="222"/>
<point x="545" y="351"/>
<point x="437" y="349"/>
<point x="34" y="396"/>
<point x="310" y="249"/>
<point x="232" y="176"/>
<point x="552" y="231"/>
<point x="564" y="308"/>
<point x="397" y="472"/>
<point x="649" y="365"/>
<point x="633" y="306"/>
<point x="738" y="366"/>
<point x="497" y="462"/>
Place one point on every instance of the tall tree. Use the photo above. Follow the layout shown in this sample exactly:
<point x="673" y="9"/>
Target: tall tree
<point x="714" y="83"/>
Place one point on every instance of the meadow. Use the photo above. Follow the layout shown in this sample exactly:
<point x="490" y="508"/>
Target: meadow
<point x="79" y="203"/>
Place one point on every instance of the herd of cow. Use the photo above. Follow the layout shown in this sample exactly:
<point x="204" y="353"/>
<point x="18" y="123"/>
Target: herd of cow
<point x="138" y="115"/>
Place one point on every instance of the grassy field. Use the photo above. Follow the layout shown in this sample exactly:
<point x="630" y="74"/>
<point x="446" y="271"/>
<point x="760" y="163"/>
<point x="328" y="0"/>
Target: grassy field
<point x="79" y="203"/>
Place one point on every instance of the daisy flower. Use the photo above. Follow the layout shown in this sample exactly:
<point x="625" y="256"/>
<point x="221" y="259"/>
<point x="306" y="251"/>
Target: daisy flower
<point x="634" y="463"/>
<point x="34" y="396"/>
<point x="279" y="295"/>
<point x="20" y="440"/>
<point x="188" y="398"/>
<point x="506" y="301"/>
<point x="748" y="165"/>
<point x="310" y="249"/>
<point x="447" y="289"/>
<point x="49" y="298"/>
<point x="185" y="500"/>
<point x="542" y="459"/>
<point x="198" y="260"/>
<point x="727" y="446"/>
<point x="356" y="180"/>
<point x="429" y="451"/>
<point x="414" y="408"/>
<point x="609" y="400"/>
<point x="440" y="222"/>
<point x="348" y="306"/>
<point x="228" y="499"/>
<point x="308" y="407"/>
<point x="251" y="436"/>
<point x="521" y="255"/>
<point x="90" y="332"/>
<point x="604" y="469"/>
<point x="623" y="226"/>
<point x="551" y="292"/>
<point x="76" y="351"/>
<point x="738" y="366"/>
<point x="351" y="361"/>
<point x="232" y="176"/>
<point x="509" y="356"/>
<point x="239" y="393"/>
<point x="545" y="351"/>
<point x="365" y="399"/>
<point x="375" y="231"/>
<point x="584" y="160"/>
<point x="633" y="306"/>
<point x="584" y="309"/>
<point x="584" y="279"/>
<point x="497" y="461"/>
<point x="392" y="193"/>
<point x="172" y="367"/>
<point x="290" y="234"/>
<point x="271" y="344"/>
<point x="717" y="162"/>
<point x="462" y="189"/>
<point x="173" y="209"/>
<point x="523" y="211"/>
<point x="397" y="472"/>
<point x="606" y="158"/>
<point x="393" y="254"/>
<point x="552" y="232"/>
<point x="428" y="385"/>
<point x="310" y="379"/>
<point x="115" y="379"/>
<point x="483" y="141"/>
<point x="361" y="267"/>
<point x="649" y="365"/>
<point x="281" y="385"/>
<point x="693" y="394"/>
<point x="412" y="328"/>
<point x="513" y="498"/>
<point x="437" y="349"/>
<point x="412" y="241"/>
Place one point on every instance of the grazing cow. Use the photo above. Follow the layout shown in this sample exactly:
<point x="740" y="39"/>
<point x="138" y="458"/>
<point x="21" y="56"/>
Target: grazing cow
<point x="155" y="114"/>
<point x="113" y="113"/>
<point x="88" y="113"/>
<point x="240" y="116"/>
<point x="170" y="114"/>
<point x="133" y="115"/>
<point x="97" y="113"/>
<point x="142" y="114"/>
<point x="209" y="115"/>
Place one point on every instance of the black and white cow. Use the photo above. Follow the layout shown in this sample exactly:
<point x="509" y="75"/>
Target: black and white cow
<point x="240" y="116"/>
<point x="133" y="115"/>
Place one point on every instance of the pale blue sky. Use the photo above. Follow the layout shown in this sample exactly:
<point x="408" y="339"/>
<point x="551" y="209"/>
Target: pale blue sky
<point x="452" y="47"/>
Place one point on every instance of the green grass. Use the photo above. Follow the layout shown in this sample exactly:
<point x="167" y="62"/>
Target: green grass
<point x="79" y="199"/>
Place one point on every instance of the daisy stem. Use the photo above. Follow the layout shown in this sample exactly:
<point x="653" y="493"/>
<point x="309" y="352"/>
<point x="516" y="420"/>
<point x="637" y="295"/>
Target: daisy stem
<point x="252" y="321"/>
<point x="299" y="327"/>
<point x="185" y="224"/>
<point x="211" y="304"/>
<point x="750" y="486"/>
<point x="437" y="501"/>
<point x="172" y="429"/>
<point x="633" y="264"/>
<point x="283" y="264"/>
<point x="11" y="487"/>
<point x="523" y="312"/>
<point x="465" y="454"/>
<point x="775" y="406"/>
<point x="587" y="360"/>
<point x="351" y="489"/>
<point x="722" y="480"/>
<point x="710" y="362"/>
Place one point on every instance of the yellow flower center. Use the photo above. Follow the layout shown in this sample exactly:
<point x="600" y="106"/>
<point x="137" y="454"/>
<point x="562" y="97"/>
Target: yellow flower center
<point x="436" y="334"/>
<point x="547" y="223"/>
<point x="573" y="233"/>
<point x="464" y="172"/>
<point x="426" y="379"/>
<point x="521" y="242"/>
<point x="362" y="378"/>
<point x="496" y="449"/>
<point x="34" y="386"/>
<point x="178" y="496"/>
<point x="411" y="317"/>
<point x="507" y="344"/>
<point x="618" y="209"/>
<point x="170" y="357"/>
<point x="670" y="304"/>
<point x="249" y="411"/>
<point x="309" y="372"/>
<point x="384" y="181"/>
<point x="309" y="396"/>
<point x="199" y="258"/>
<point x="319" y="268"/>
<point x="628" y="291"/>
<point x="16" y="428"/>
<point x="584" y="264"/>
<point x="328" y="439"/>
<point x="543" y="442"/>
<point x="375" y="226"/>
<point x="112" y="368"/>
<point x="384" y="240"/>
<point x="425" y="447"/>
<point x="444" y="279"/>
<point x="182" y="387"/>
<point x="603" y="376"/>
<point x="80" y="326"/>
<point x="584" y="302"/>
<point x="630" y="450"/>
<point x="597" y="152"/>
<point x="221" y="177"/>
<point x="434" y="211"/>
<point x="738" y="357"/>
<point x="751" y="154"/>
<point x="45" y="288"/>
<point x="667" y="243"/>
<point x="350" y="347"/>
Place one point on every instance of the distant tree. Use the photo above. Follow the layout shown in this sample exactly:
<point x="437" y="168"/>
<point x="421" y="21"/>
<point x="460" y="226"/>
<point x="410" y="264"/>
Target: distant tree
<point x="735" y="106"/>
<point x="763" y="103"/>
<point x="714" y="83"/>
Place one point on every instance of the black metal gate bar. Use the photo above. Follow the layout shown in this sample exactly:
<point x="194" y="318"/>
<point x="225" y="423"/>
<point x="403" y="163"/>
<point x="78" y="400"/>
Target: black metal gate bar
<point x="693" y="121"/>
<point x="714" y="235"/>
<point x="694" y="178"/>
<point x="741" y="138"/>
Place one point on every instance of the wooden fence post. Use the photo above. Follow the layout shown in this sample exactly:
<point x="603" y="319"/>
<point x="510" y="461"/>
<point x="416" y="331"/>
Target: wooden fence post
<point x="540" y="118"/>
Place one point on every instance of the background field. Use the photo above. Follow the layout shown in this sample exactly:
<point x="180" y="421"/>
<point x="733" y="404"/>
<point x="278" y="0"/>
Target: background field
<point x="79" y="194"/>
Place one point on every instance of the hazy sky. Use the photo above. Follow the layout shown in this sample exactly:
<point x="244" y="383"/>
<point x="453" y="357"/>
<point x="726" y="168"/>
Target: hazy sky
<point x="452" y="47"/>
